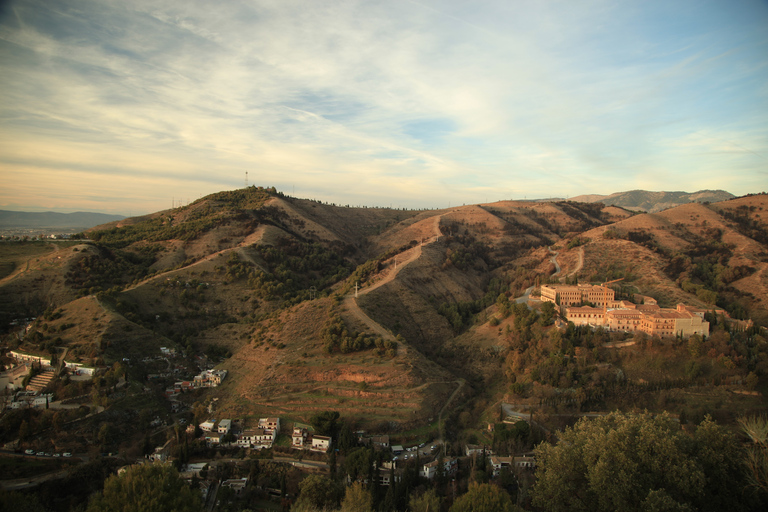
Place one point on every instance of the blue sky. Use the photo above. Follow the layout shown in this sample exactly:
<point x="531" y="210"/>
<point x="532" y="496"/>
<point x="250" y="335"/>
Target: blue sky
<point x="126" y="107"/>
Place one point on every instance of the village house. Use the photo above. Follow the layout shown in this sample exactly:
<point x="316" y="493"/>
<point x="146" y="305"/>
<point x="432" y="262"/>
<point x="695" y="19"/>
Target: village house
<point x="224" y="426"/>
<point x="23" y="358"/>
<point x="209" y="378"/>
<point x="272" y="424"/>
<point x="525" y="462"/>
<point x="236" y="484"/>
<point x="498" y="463"/>
<point x="380" y="442"/>
<point x="471" y="450"/>
<point x="299" y="437"/>
<point x="207" y="425"/>
<point x="161" y="453"/>
<point x="212" y="438"/>
<point x="320" y="443"/>
<point x="430" y="469"/>
<point x="385" y="476"/>
<point x="264" y="436"/>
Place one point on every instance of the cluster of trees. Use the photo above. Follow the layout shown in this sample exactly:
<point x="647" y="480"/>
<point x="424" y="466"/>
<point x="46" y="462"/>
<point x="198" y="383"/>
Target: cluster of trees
<point x="146" y="488"/>
<point x="301" y="265"/>
<point x="577" y="241"/>
<point x="108" y="268"/>
<point x="745" y="224"/>
<point x="641" y="462"/>
<point x="464" y="250"/>
<point x="336" y="337"/>
<point x="293" y="269"/>
<point x="461" y="315"/>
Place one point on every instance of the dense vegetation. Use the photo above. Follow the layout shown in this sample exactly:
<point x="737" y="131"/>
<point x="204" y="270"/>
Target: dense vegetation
<point x="642" y="463"/>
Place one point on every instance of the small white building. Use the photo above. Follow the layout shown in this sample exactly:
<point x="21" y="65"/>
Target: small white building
<point x="498" y="463"/>
<point x="321" y="443"/>
<point x="42" y="400"/>
<point x="225" y="426"/>
<point x="271" y="424"/>
<point x="213" y="438"/>
<point x="207" y="425"/>
<point x="236" y="484"/>
<point x="299" y="437"/>
<point x="430" y="469"/>
<point x="525" y="462"/>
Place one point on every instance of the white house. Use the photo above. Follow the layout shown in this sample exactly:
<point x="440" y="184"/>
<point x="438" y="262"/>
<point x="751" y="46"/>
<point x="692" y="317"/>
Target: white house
<point x="272" y="424"/>
<point x="475" y="449"/>
<point x="429" y="470"/>
<point x="42" y="400"/>
<point x="207" y="425"/>
<point x="213" y="438"/>
<point x="321" y="443"/>
<point x="299" y="437"/>
<point x="225" y="426"/>
<point x="525" y="462"/>
<point x="498" y="463"/>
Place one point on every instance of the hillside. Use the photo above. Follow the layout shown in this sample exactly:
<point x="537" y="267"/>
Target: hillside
<point x="652" y="202"/>
<point x="263" y="285"/>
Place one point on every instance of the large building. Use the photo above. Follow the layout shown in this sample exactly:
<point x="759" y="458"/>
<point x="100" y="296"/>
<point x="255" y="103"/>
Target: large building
<point x="648" y="318"/>
<point x="574" y="295"/>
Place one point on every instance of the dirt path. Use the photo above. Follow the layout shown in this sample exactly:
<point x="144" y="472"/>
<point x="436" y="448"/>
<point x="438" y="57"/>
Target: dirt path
<point x="580" y="264"/>
<point x="251" y="239"/>
<point x="396" y="265"/>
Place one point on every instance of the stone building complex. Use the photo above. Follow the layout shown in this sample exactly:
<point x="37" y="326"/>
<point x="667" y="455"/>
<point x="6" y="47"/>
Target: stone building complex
<point x="623" y="315"/>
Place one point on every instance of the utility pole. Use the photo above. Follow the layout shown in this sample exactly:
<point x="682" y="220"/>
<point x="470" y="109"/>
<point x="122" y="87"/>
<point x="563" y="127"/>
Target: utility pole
<point x="356" y="289"/>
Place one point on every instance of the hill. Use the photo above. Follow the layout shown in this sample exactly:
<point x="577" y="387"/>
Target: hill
<point x="651" y="202"/>
<point x="381" y="314"/>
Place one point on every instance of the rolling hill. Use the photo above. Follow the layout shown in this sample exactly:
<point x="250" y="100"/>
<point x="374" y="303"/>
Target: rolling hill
<point x="652" y="202"/>
<point x="271" y="281"/>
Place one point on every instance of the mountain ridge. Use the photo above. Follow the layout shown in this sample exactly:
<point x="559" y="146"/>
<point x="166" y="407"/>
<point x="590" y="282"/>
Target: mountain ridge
<point x="652" y="202"/>
<point x="33" y="220"/>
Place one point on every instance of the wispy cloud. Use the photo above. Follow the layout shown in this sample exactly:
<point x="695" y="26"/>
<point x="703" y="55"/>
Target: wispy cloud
<point x="411" y="103"/>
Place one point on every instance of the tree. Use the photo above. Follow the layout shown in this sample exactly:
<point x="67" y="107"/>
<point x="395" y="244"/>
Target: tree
<point x="146" y="488"/>
<point x="325" y="422"/>
<point x="427" y="502"/>
<point x="638" y="462"/>
<point x="317" y="492"/>
<point x="357" y="499"/>
<point x="756" y="458"/>
<point x="23" y="431"/>
<point x="483" y="498"/>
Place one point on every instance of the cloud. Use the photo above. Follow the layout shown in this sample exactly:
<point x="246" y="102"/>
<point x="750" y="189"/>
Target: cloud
<point x="411" y="102"/>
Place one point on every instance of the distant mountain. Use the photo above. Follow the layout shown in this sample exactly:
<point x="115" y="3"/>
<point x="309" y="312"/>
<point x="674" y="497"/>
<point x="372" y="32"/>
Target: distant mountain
<point x="43" y="220"/>
<point x="652" y="202"/>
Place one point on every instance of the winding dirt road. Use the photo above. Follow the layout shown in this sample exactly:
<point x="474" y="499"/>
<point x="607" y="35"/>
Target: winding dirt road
<point x="397" y="263"/>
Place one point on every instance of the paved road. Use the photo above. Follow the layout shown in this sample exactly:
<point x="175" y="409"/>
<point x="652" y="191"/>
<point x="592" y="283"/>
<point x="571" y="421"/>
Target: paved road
<point x="525" y="296"/>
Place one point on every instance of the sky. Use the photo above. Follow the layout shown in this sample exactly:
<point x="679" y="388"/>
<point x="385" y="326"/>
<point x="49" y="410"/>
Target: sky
<point x="131" y="107"/>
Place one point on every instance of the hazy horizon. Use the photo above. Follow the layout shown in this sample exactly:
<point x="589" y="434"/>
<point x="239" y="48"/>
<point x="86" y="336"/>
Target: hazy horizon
<point x="128" y="108"/>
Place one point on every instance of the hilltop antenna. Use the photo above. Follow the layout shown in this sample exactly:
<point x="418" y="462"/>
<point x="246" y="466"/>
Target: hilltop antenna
<point x="246" y="179"/>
